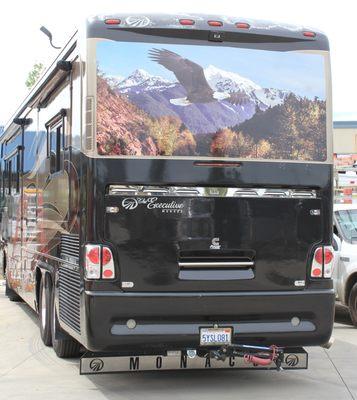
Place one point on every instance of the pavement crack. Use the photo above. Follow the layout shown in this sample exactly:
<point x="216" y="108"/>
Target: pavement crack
<point x="339" y="374"/>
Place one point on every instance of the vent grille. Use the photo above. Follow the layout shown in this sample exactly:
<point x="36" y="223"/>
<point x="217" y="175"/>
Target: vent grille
<point x="69" y="297"/>
<point x="89" y="123"/>
<point x="70" y="247"/>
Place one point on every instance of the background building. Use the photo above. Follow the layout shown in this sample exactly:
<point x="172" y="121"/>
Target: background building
<point x="345" y="137"/>
<point x="345" y="160"/>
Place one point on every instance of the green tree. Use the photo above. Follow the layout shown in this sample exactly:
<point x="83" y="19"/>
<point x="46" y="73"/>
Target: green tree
<point x="165" y="131"/>
<point x="33" y="75"/>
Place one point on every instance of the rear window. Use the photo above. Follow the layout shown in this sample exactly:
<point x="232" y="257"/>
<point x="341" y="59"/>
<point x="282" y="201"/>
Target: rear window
<point x="180" y="100"/>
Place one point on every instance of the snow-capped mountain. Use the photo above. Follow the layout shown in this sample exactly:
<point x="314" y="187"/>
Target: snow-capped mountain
<point x="142" y="80"/>
<point x="271" y="97"/>
<point x="224" y="81"/>
<point x="154" y="95"/>
<point x="219" y="80"/>
<point x="114" y="80"/>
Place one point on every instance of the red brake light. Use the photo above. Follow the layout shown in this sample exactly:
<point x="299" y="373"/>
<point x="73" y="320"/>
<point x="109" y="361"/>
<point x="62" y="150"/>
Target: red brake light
<point x="317" y="272"/>
<point x="242" y="25"/>
<point x="328" y="256"/>
<point x="309" y="34"/>
<point x="215" y="23"/>
<point x="108" y="273"/>
<point x="319" y="256"/>
<point x="93" y="255"/>
<point x="186" y="21"/>
<point x="106" y="256"/>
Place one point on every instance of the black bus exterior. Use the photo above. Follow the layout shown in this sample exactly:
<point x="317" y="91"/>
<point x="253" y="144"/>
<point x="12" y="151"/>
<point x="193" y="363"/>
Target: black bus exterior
<point x="125" y="242"/>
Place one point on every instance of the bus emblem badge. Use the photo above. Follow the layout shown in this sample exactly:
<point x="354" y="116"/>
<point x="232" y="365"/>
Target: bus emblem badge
<point x="292" y="360"/>
<point x="96" y="365"/>
<point x="129" y="203"/>
<point x="215" y="244"/>
<point x="138" y="22"/>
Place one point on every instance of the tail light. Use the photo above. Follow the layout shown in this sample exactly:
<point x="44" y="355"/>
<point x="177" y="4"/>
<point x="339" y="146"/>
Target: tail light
<point x="322" y="262"/>
<point x="108" y="271"/>
<point x="99" y="263"/>
<point x="328" y="261"/>
<point x="92" y="261"/>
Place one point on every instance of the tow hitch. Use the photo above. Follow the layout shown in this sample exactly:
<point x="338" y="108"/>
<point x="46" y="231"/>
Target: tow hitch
<point x="256" y="355"/>
<point x="226" y="357"/>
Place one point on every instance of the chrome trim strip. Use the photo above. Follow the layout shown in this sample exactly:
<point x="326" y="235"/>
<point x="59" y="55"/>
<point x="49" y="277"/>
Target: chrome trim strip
<point x="222" y="264"/>
<point x="186" y="191"/>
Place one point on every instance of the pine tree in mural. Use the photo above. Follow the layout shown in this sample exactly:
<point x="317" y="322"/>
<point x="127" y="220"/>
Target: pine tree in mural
<point x="295" y="129"/>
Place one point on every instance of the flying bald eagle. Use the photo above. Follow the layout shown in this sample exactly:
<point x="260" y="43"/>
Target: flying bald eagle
<point x="192" y="78"/>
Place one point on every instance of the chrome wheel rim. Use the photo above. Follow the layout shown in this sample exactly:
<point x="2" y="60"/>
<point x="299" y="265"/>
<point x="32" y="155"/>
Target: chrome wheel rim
<point x="43" y="308"/>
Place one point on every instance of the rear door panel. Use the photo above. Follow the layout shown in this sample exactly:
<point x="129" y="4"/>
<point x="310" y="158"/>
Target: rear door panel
<point x="212" y="243"/>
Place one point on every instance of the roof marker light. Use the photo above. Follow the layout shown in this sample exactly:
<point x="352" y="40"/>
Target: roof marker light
<point x="186" y="21"/>
<point x="242" y="25"/>
<point x="112" y="21"/>
<point x="309" y="34"/>
<point x="215" y="23"/>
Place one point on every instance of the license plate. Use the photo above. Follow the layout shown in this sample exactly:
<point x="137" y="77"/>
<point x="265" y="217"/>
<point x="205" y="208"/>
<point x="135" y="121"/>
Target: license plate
<point x="215" y="336"/>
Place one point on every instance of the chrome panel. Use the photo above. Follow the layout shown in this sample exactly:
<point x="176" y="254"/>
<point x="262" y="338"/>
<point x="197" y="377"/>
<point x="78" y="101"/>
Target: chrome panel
<point x="90" y="364"/>
<point x="214" y="264"/>
<point x="186" y="191"/>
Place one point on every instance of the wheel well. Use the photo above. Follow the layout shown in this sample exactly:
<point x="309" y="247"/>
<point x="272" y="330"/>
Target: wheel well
<point x="349" y="285"/>
<point x="38" y="282"/>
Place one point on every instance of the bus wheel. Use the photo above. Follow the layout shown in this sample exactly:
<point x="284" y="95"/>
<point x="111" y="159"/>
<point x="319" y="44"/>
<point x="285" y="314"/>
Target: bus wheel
<point x="45" y="310"/>
<point x="63" y="345"/>
<point x="352" y="304"/>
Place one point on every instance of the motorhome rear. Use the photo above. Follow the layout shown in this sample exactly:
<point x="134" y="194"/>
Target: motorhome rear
<point x="167" y="192"/>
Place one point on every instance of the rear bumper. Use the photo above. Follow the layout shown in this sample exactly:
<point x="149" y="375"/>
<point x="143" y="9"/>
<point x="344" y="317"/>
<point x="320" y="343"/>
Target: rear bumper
<point x="171" y="321"/>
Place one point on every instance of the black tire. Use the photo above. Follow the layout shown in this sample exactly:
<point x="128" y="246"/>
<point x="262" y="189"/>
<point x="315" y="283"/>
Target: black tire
<point x="63" y="345"/>
<point x="352" y="304"/>
<point x="45" y="309"/>
<point x="2" y="264"/>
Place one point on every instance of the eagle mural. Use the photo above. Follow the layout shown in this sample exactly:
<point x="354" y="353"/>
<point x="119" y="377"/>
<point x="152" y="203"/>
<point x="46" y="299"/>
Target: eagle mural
<point x="191" y="76"/>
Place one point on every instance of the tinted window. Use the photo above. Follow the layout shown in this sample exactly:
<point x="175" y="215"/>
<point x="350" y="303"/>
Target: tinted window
<point x="55" y="137"/>
<point x="209" y="101"/>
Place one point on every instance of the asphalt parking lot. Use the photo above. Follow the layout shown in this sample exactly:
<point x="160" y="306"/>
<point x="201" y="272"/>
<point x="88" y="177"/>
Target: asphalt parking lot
<point x="29" y="370"/>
